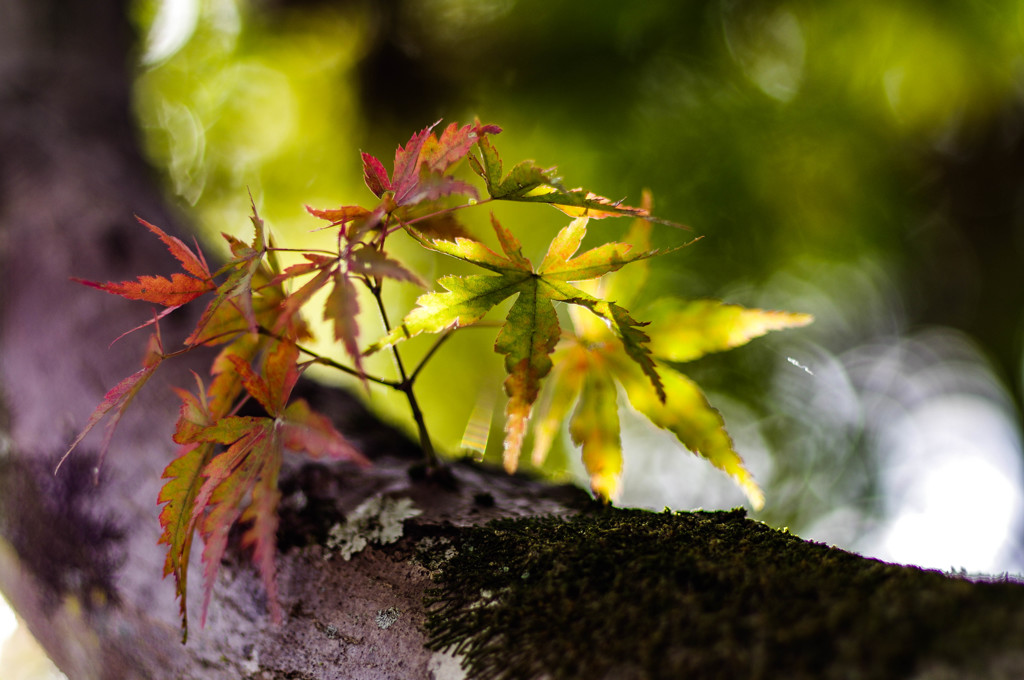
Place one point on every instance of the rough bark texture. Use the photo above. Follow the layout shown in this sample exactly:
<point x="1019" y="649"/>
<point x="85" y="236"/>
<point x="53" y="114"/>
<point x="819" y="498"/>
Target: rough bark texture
<point x="80" y="561"/>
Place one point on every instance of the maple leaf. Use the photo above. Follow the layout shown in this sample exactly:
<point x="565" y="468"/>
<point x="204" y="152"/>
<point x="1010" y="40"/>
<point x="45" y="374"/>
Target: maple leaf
<point x="528" y="182"/>
<point x="690" y="329"/>
<point x="531" y="329"/>
<point x="171" y="292"/>
<point x="210" y="491"/>
<point x="590" y="363"/>
<point x="421" y="166"/>
<point x="357" y="261"/>
<point x="178" y="495"/>
<point x="594" y="427"/>
<point x="341" y="217"/>
<point x="236" y="290"/>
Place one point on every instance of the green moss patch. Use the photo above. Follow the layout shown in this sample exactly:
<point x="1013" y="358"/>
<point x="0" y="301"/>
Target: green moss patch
<point x="635" y="594"/>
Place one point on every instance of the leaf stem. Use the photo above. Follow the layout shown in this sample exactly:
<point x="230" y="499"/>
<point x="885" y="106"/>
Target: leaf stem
<point x="402" y="224"/>
<point x="406" y="384"/>
<point x="327" y="361"/>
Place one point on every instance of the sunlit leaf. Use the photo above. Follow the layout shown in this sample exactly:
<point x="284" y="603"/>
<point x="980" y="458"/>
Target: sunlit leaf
<point x="689" y="329"/>
<point x="678" y="331"/>
<point x="528" y="182"/>
<point x="687" y="414"/>
<point x="421" y="169"/>
<point x="595" y="428"/>
<point x="531" y="329"/>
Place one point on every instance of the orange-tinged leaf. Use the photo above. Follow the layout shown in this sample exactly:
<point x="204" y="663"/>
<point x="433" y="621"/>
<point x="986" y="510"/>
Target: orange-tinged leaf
<point x="315" y="263"/>
<point x="193" y="263"/>
<point x="421" y="169"/>
<point x="685" y="330"/>
<point x="293" y="303"/>
<point x="340" y="216"/>
<point x="254" y="384"/>
<point x="280" y="372"/>
<point x="226" y="386"/>
<point x="440" y="153"/>
<point x="406" y="169"/>
<point x="248" y="469"/>
<point x="526" y="339"/>
<point x="173" y="292"/>
<point x="178" y="495"/>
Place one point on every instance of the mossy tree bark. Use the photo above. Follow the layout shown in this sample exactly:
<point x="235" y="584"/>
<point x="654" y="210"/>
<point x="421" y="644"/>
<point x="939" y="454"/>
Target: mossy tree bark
<point x="605" y="595"/>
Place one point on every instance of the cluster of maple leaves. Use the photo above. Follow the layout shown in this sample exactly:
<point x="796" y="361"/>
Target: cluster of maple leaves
<point x="226" y="469"/>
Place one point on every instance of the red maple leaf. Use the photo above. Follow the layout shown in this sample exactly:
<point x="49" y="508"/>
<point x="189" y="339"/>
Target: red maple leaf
<point x="173" y="292"/>
<point x="421" y="166"/>
<point x="210" y="492"/>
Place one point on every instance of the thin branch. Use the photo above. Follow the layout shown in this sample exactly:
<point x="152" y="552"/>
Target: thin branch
<point x="301" y="251"/>
<point x="406" y="385"/>
<point x="402" y="224"/>
<point x="327" y="361"/>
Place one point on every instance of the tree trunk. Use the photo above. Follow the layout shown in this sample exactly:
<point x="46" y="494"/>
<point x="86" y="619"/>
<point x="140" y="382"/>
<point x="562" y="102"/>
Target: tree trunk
<point x="80" y="562"/>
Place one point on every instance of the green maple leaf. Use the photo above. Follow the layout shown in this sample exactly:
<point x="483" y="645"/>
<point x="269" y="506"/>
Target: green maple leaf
<point x="530" y="183"/>
<point x="531" y="329"/>
<point x="590" y="363"/>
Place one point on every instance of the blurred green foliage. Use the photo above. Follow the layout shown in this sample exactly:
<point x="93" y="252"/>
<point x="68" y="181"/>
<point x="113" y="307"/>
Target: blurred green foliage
<point x="815" y="145"/>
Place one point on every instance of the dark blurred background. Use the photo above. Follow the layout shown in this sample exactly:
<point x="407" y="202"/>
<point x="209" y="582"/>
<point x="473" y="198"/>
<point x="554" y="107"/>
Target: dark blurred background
<point x="859" y="161"/>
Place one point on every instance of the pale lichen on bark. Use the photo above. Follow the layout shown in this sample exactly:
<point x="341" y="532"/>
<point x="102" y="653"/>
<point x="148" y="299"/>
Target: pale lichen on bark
<point x="377" y="521"/>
